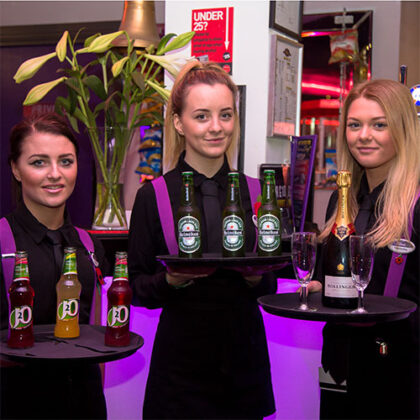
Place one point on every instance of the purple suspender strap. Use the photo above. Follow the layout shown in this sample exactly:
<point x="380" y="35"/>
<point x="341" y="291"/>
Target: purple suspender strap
<point x="254" y="187"/>
<point x="88" y="244"/>
<point x="396" y="267"/>
<point x="165" y="214"/>
<point x="8" y="250"/>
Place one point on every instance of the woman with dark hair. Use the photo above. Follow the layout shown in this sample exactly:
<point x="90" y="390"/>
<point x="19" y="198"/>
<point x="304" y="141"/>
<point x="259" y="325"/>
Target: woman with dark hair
<point x="43" y="159"/>
<point x="210" y="357"/>
<point x="379" y="143"/>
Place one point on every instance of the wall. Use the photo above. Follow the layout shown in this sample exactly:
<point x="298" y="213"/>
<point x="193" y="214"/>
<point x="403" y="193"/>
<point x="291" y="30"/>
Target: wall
<point x="44" y="12"/>
<point x="386" y="31"/>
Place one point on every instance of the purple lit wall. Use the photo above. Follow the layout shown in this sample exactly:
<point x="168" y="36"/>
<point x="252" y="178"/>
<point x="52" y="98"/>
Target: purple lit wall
<point x="295" y="354"/>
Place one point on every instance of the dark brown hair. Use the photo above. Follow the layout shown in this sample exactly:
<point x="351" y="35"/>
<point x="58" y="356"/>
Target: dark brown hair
<point x="45" y="123"/>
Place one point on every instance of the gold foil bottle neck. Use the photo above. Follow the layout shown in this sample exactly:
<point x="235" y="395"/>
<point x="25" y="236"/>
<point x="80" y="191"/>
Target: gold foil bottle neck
<point x="343" y="179"/>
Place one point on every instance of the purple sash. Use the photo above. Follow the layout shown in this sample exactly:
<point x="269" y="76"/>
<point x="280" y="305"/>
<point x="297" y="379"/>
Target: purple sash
<point x="396" y="267"/>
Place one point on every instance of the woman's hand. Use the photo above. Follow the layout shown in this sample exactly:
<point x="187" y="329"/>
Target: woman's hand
<point x="313" y="286"/>
<point x="180" y="280"/>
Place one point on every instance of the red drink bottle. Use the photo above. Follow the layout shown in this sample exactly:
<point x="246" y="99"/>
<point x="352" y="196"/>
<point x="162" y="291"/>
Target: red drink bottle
<point x="21" y="334"/>
<point x="117" y="332"/>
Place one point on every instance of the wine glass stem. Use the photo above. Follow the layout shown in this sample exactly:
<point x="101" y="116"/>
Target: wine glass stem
<point x="360" y="299"/>
<point x="304" y="295"/>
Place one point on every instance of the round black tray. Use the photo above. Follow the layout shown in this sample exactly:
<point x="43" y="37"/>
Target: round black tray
<point x="88" y="347"/>
<point x="256" y="264"/>
<point x="380" y="308"/>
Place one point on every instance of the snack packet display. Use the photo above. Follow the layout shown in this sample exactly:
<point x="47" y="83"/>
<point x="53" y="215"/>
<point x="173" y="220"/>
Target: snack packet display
<point x="150" y="151"/>
<point x="344" y="46"/>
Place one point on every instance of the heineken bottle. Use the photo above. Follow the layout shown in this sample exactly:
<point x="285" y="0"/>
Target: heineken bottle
<point x="269" y="226"/>
<point x="233" y="220"/>
<point x="188" y="220"/>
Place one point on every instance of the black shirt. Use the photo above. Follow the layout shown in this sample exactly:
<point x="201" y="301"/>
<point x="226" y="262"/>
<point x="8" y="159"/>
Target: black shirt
<point x="30" y="236"/>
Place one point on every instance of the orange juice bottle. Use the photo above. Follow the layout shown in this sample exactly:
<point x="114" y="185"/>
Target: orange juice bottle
<point x="68" y="296"/>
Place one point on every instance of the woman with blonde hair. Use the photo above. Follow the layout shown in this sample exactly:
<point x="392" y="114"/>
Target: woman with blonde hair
<point x="379" y="143"/>
<point x="210" y="357"/>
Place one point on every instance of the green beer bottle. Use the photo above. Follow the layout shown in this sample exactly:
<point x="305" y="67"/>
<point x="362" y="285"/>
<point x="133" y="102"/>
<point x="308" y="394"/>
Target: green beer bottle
<point x="233" y="220"/>
<point x="269" y="225"/>
<point x="188" y="220"/>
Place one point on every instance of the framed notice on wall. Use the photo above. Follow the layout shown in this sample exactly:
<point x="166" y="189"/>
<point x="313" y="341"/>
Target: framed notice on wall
<point x="286" y="17"/>
<point x="284" y="87"/>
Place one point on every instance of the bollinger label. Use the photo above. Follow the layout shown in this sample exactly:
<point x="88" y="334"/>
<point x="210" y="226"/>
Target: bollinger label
<point x="268" y="232"/>
<point x="339" y="287"/>
<point x="189" y="237"/>
<point x="68" y="309"/>
<point x="118" y="316"/>
<point x="20" y="317"/>
<point x="233" y="233"/>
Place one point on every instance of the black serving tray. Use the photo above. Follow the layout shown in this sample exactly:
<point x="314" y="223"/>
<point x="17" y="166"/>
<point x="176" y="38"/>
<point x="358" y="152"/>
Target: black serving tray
<point x="207" y="263"/>
<point x="380" y="308"/>
<point x="88" y="347"/>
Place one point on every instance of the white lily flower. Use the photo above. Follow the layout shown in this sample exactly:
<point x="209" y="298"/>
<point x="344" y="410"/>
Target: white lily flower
<point x="170" y="62"/>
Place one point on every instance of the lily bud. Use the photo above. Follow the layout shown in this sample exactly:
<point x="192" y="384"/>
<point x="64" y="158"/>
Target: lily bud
<point x="170" y="62"/>
<point x="39" y="91"/>
<point x="101" y="43"/>
<point x="118" y="66"/>
<point x="165" y="93"/>
<point x="61" y="48"/>
<point x="29" y="68"/>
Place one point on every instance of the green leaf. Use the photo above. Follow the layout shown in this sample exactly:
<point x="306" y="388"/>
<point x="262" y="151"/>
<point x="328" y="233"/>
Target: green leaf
<point x="138" y="79"/>
<point x="72" y="84"/>
<point x="38" y="92"/>
<point x="179" y="42"/>
<point x="165" y="39"/>
<point x="109" y="100"/>
<point x="30" y="67"/>
<point x="60" y="103"/>
<point x="94" y="82"/>
<point x="73" y="122"/>
<point x="118" y="66"/>
<point x="61" y="48"/>
<point x="165" y="93"/>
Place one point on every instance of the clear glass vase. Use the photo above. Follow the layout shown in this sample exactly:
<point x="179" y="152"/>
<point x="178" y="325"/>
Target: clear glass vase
<point x="110" y="145"/>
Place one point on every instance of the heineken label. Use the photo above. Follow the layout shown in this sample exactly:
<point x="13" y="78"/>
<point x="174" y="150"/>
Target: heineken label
<point x="189" y="234"/>
<point x="118" y="316"/>
<point x="268" y="232"/>
<point x="233" y="233"/>
<point x="68" y="309"/>
<point x="20" y="317"/>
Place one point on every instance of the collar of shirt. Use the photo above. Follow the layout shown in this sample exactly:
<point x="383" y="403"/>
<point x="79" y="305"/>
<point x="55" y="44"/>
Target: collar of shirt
<point x="364" y="191"/>
<point x="37" y="230"/>
<point x="220" y="177"/>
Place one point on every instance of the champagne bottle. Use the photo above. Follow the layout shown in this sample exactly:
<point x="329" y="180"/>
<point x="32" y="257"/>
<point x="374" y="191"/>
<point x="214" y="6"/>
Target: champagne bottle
<point x="233" y="220"/>
<point x="269" y="220"/>
<point x="338" y="290"/>
<point x="188" y="220"/>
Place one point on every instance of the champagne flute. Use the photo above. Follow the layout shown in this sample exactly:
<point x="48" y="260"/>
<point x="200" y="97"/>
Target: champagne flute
<point x="303" y="258"/>
<point x="361" y="258"/>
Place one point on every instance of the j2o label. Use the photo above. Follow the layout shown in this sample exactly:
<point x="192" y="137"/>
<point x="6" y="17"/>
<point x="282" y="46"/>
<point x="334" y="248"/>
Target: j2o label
<point x="68" y="309"/>
<point x="20" y="317"/>
<point x="118" y="316"/>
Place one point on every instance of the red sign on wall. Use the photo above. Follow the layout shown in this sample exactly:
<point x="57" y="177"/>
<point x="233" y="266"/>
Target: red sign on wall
<point x="213" y="36"/>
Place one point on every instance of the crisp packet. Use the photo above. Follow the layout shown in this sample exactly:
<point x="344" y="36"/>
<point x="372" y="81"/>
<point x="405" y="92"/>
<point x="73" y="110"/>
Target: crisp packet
<point x="344" y="46"/>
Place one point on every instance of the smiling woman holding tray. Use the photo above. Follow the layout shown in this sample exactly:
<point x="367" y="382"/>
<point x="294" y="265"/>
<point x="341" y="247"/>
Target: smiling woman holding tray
<point x="210" y="356"/>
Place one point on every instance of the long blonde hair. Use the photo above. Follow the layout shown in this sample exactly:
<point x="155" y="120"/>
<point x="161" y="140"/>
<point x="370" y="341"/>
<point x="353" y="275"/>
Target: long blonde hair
<point x="193" y="73"/>
<point x="398" y="195"/>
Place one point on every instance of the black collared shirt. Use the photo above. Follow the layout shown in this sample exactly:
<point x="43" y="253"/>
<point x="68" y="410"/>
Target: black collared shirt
<point x="30" y="236"/>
